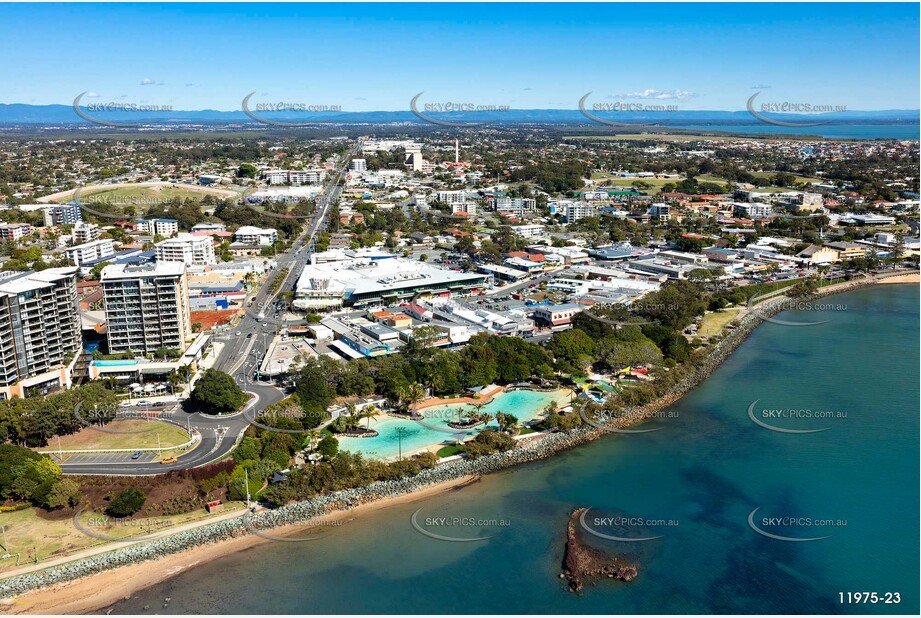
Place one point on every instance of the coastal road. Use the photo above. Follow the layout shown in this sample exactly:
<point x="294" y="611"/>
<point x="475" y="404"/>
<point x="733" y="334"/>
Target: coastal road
<point x="256" y="328"/>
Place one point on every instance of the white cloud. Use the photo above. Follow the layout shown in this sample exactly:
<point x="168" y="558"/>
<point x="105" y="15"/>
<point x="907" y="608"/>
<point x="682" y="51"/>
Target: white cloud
<point x="92" y="95"/>
<point x="652" y="93"/>
<point x="147" y="82"/>
<point x="759" y="87"/>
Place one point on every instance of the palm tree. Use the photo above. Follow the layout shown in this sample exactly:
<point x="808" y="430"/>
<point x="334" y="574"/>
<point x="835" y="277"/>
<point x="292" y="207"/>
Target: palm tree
<point x="507" y="422"/>
<point x="413" y="395"/>
<point x="353" y="417"/>
<point x="370" y="412"/>
<point x="313" y="436"/>
<point x="477" y="414"/>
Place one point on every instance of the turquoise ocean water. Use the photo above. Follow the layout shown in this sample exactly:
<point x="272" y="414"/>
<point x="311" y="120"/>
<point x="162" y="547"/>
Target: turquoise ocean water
<point x="693" y="483"/>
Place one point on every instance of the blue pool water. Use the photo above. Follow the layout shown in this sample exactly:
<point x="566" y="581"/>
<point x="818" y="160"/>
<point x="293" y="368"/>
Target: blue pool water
<point x="416" y="436"/>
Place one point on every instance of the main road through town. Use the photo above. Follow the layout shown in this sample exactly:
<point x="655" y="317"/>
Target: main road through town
<point x="239" y="355"/>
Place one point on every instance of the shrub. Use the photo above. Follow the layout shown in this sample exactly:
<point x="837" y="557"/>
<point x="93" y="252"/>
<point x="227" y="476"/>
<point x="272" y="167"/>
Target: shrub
<point x="128" y="502"/>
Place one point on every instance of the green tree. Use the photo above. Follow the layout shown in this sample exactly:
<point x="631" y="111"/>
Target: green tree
<point x="217" y="392"/>
<point x="246" y="171"/>
<point x="66" y="492"/>
<point x="126" y="503"/>
<point x="328" y="447"/>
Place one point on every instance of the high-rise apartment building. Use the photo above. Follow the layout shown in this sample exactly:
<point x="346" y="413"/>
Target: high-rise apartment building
<point x="39" y="331"/>
<point x="147" y="306"/>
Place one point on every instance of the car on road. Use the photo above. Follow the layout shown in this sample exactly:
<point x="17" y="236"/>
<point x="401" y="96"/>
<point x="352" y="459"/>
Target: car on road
<point x="169" y="460"/>
<point x="142" y="402"/>
<point x="137" y="455"/>
<point x="249" y="336"/>
<point x="239" y="333"/>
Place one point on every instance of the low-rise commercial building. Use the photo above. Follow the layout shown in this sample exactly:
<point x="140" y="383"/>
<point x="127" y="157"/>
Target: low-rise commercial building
<point x="366" y="282"/>
<point x="556" y="315"/>
<point x="251" y="235"/>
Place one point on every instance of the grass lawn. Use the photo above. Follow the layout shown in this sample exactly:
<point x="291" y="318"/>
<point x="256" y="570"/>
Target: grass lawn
<point x="798" y="178"/>
<point x="448" y="451"/>
<point x="710" y="178"/>
<point x="715" y="321"/>
<point x="144" y="195"/>
<point x="51" y="538"/>
<point x="526" y="430"/>
<point x="602" y="180"/>
<point x="146" y="436"/>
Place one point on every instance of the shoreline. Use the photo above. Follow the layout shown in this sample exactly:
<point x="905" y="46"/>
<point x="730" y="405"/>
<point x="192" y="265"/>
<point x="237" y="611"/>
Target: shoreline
<point x="97" y="592"/>
<point x="38" y="596"/>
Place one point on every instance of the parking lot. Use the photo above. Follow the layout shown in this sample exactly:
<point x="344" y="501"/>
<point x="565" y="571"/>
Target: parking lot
<point x="106" y="458"/>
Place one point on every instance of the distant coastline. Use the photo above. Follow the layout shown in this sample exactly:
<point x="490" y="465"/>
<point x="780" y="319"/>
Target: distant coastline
<point x="895" y="124"/>
<point x="88" y="579"/>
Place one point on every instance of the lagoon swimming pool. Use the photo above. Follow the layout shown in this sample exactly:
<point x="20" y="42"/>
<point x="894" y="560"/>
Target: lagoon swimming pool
<point x="418" y="435"/>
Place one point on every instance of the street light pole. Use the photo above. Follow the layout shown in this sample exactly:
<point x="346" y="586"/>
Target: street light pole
<point x="246" y="477"/>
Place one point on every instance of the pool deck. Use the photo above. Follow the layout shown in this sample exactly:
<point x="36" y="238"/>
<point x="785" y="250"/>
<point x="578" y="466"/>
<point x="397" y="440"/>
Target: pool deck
<point x="438" y="401"/>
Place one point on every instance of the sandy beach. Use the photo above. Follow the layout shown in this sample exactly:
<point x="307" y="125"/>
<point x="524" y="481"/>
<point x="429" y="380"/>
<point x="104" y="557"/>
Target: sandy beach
<point x="906" y="278"/>
<point x="94" y="593"/>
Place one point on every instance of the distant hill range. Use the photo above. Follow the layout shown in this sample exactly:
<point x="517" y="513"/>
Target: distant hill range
<point x="20" y="113"/>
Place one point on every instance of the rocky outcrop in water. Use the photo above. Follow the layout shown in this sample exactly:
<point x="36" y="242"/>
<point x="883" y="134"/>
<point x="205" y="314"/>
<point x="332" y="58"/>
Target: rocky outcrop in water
<point x="581" y="562"/>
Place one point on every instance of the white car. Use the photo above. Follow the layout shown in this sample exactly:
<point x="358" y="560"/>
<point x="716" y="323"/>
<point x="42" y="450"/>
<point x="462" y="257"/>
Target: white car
<point x="239" y="333"/>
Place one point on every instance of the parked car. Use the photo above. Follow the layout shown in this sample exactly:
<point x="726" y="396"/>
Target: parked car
<point x="137" y="455"/>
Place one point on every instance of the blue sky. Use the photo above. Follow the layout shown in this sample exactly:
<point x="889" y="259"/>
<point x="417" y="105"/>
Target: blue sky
<point x="377" y="56"/>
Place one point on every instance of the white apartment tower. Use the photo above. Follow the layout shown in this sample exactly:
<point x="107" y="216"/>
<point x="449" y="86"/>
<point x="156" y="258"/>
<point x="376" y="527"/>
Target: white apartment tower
<point x="146" y="306"/>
